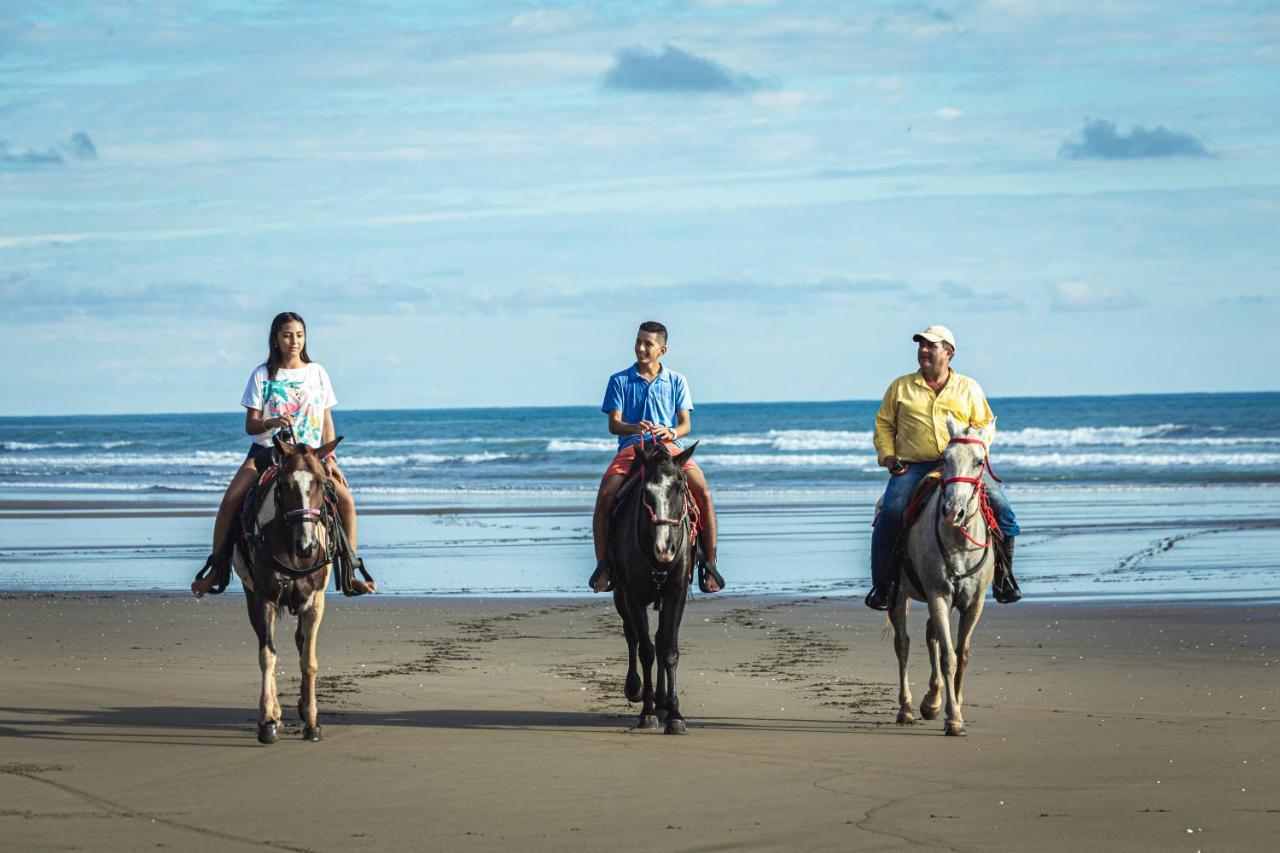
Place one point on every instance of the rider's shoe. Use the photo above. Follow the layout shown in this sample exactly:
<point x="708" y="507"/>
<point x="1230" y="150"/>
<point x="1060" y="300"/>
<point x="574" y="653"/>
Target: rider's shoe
<point x="602" y="571"/>
<point x="877" y="599"/>
<point x="1005" y="586"/>
<point x="707" y="571"/>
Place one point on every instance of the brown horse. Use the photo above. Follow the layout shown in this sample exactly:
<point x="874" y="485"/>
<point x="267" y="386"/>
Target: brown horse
<point x="285" y="560"/>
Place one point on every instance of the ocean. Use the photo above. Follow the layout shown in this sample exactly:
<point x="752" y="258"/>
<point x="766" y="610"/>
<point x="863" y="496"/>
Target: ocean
<point x="1178" y="440"/>
<point x="1117" y="496"/>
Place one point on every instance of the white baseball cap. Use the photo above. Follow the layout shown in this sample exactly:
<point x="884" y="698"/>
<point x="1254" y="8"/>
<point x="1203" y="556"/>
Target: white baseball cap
<point x="935" y="334"/>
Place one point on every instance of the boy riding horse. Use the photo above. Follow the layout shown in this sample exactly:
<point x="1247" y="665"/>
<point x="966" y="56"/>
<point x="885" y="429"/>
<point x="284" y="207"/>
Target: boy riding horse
<point x="649" y="401"/>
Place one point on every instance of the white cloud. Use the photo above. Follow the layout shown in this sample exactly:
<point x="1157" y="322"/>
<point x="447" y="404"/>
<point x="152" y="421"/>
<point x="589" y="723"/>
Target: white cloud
<point x="788" y="99"/>
<point x="1086" y="296"/>
<point x="949" y="113"/>
<point x="544" y="21"/>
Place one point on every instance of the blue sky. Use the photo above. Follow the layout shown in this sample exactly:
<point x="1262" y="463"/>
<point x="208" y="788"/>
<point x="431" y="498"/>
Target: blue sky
<point x="475" y="204"/>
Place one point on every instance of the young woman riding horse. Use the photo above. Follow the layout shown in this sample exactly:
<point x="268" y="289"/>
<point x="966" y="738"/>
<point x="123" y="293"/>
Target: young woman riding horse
<point x="287" y="391"/>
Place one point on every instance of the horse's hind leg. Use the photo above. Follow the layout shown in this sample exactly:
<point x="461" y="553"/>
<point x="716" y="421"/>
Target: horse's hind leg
<point x="262" y="614"/>
<point x="902" y="647"/>
<point x="968" y="621"/>
<point x="631" y="689"/>
<point x="932" y="703"/>
<point x="940" y="617"/>
<point x="308" y="628"/>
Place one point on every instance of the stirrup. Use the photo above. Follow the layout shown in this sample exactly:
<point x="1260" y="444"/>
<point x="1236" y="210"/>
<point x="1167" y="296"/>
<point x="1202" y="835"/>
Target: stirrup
<point x="602" y="566"/>
<point x="705" y="570"/>
<point x="221" y="569"/>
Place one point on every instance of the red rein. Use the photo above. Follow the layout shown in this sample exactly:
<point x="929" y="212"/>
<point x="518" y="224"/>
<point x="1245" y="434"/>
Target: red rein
<point x="988" y="516"/>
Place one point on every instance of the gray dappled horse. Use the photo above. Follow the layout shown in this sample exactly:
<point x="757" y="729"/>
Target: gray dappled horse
<point x="651" y="550"/>
<point x="951" y="556"/>
<point x="287" y="563"/>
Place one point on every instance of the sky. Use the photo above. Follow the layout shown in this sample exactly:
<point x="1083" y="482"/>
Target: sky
<point x="475" y="204"/>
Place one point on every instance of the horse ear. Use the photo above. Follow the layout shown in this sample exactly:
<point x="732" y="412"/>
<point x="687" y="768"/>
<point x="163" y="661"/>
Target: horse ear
<point x="281" y="448"/>
<point x="953" y="428"/>
<point x="325" y="449"/>
<point x="989" y="433"/>
<point x="685" y="455"/>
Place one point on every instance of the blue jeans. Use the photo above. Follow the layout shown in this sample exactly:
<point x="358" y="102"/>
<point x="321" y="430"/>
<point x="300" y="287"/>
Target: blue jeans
<point x="897" y="494"/>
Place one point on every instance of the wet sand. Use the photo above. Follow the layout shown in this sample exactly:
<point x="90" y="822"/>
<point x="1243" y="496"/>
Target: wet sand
<point x="127" y="723"/>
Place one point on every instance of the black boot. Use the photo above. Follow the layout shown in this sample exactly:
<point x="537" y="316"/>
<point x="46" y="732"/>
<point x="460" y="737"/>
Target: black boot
<point x="877" y="599"/>
<point x="1005" y="586"/>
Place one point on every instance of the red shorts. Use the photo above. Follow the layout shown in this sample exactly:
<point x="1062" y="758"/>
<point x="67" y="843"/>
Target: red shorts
<point x="621" y="463"/>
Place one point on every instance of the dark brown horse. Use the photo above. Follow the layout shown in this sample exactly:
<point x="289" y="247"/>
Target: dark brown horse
<point x="284" y="561"/>
<point x="651" y="551"/>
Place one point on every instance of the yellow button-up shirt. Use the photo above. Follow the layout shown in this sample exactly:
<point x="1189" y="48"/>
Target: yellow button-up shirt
<point x="912" y="421"/>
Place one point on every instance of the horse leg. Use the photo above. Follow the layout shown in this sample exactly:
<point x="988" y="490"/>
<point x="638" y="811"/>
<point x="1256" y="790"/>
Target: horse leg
<point x="902" y="646"/>
<point x="308" y="628"/>
<point x="968" y="621"/>
<point x="640" y="625"/>
<point x="940" y="618"/>
<point x="262" y="613"/>
<point x="661" y="697"/>
<point x="632" y="686"/>
<point x="669" y="652"/>
<point x="933" y="699"/>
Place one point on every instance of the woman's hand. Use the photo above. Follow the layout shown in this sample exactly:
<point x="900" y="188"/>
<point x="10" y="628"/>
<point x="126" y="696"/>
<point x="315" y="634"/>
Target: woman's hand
<point x="278" y="422"/>
<point x="335" y="473"/>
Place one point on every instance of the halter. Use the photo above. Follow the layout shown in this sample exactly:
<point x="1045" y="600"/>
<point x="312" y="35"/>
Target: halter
<point x="300" y="516"/>
<point x="688" y="515"/>
<point x="979" y="493"/>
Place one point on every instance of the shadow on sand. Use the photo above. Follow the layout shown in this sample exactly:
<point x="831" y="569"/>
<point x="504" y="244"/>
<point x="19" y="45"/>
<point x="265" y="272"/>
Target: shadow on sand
<point x="235" y="727"/>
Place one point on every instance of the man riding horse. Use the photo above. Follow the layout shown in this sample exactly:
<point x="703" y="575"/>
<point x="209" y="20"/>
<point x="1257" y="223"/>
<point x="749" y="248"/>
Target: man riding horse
<point x="649" y="402"/>
<point x="910" y="436"/>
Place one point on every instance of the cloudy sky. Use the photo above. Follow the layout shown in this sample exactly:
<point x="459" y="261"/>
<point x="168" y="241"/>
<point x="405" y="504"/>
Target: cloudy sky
<point x="475" y="203"/>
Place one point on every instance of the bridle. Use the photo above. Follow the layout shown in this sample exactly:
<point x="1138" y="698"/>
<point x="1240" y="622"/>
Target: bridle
<point x="979" y="495"/>
<point x="688" y="513"/>
<point x="292" y="517"/>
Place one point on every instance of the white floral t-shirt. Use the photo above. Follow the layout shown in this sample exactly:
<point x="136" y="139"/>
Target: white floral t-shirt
<point x="304" y="394"/>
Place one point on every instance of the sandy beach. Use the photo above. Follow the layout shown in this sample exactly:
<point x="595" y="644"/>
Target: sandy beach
<point x="128" y="723"/>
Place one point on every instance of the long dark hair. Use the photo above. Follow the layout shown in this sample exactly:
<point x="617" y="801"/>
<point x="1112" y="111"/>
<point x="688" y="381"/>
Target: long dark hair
<point x="273" y="350"/>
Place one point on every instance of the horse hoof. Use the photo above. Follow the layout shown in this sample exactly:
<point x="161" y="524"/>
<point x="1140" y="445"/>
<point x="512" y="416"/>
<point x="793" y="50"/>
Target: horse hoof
<point x="268" y="732"/>
<point x="632" y="690"/>
<point x="957" y="729"/>
<point x="312" y="735"/>
<point x="647" y="721"/>
<point x="905" y="718"/>
<point x="676" y="727"/>
<point x="928" y="712"/>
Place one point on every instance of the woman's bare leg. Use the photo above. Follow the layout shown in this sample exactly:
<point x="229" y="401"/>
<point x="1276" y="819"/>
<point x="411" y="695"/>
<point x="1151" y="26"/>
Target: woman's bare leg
<point x="240" y="485"/>
<point x="347" y="513"/>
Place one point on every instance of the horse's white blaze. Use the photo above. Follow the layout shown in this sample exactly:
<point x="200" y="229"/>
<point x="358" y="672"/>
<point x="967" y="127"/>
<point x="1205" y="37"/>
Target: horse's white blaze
<point x="303" y="480"/>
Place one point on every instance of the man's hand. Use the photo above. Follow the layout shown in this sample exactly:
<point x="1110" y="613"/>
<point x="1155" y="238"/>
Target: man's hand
<point x="890" y="462"/>
<point x="662" y="432"/>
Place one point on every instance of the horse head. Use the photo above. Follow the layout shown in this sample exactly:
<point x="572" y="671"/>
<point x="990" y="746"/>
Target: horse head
<point x="664" y="494"/>
<point x="299" y="495"/>
<point x="963" y="462"/>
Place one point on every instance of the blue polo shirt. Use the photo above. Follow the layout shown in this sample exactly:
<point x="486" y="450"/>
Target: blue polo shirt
<point x="638" y="400"/>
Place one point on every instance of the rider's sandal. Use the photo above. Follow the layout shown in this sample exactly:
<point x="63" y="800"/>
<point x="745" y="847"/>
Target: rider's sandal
<point x="706" y="570"/>
<point x="601" y="568"/>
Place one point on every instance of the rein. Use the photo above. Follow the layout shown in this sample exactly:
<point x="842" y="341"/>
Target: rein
<point x="979" y="494"/>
